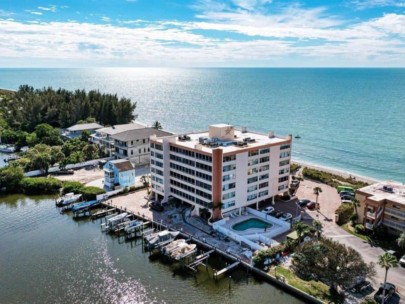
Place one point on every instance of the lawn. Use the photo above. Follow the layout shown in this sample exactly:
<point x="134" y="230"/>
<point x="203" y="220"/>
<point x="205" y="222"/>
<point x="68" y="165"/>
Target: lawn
<point x="316" y="289"/>
<point x="349" y="229"/>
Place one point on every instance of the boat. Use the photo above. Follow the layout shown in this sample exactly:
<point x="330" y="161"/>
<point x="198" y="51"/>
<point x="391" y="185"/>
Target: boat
<point x="183" y="250"/>
<point x="131" y="226"/>
<point x="67" y="199"/>
<point x="114" y="221"/>
<point x="7" y="148"/>
<point x="168" y="249"/>
<point x="84" y="205"/>
<point x="161" y="238"/>
<point x="297" y="136"/>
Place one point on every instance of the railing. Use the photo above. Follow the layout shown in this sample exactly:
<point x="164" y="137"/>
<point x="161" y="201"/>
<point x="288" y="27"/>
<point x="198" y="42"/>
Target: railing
<point x="394" y="224"/>
<point x="371" y="214"/>
<point x="395" y="212"/>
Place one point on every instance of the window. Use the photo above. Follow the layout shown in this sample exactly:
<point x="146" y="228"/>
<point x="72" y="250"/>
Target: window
<point x="264" y="176"/>
<point x="252" y="171"/>
<point x="284" y="154"/>
<point x="204" y="157"/>
<point x="281" y="187"/>
<point x="228" y="205"/>
<point x="144" y="140"/>
<point x="203" y="185"/>
<point x="182" y="160"/>
<point x="132" y="152"/>
<point x="229" y="168"/>
<point x="284" y="171"/>
<point x="283" y="179"/>
<point x="264" y="159"/>
<point x="228" y="195"/>
<point x="252" y="179"/>
<point x="253" y="162"/>
<point x="263" y="185"/>
<point x="264" y="168"/>
<point x="152" y="153"/>
<point x="180" y="176"/>
<point x="228" y="177"/>
<point x="182" y="194"/>
<point x="263" y="193"/>
<point x="139" y="151"/>
<point x="229" y="158"/>
<point x="284" y="163"/>
<point x="203" y="176"/>
<point x="144" y="150"/>
<point x="182" y="151"/>
<point x="265" y="150"/>
<point x="252" y="188"/>
<point x="203" y="167"/>
<point x="203" y="194"/>
<point x="253" y="153"/>
<point x="228" y="186"/>
<point x="158" y="147"/>
<point x="181" y="185"/>
<point x="182" y="169"/>
<point x="159" y="164"/>
<point x="252" y="196"/>
<point x="283" y="147"/>
<point x="159" y="155"/>
<point x="132" y="142"/>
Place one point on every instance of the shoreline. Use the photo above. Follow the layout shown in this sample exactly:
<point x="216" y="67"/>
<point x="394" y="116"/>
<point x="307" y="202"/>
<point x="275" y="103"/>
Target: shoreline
<point x="340" y="172"/>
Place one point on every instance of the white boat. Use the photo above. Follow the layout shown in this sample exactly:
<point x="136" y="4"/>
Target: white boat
<point x="67" y="199"/>
<point x="161" y="238"/>
<point x="133" y="225"/>
<point x="183" y="250"/>
<point x="168" y="249"/>
<point x="7" y="148"/>
<point x="114" y="221"/>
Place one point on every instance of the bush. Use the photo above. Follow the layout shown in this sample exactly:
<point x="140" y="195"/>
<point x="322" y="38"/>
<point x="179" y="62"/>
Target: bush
<point x="40" y="185"/>
<point x="344" y="211"/>
<point x="331" y="179"/>
<point x="90" y="193"/>
<point x="10" y="178"/>
<point x="353" y="218"/>
<point x="74" y="187"/>
<point x="269" y="253"/>
<point x="359" y="228"/>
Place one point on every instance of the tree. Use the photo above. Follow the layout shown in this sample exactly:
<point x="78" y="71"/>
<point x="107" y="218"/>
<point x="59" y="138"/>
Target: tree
<point x="387" y="261"/>
<point x="317" y="191"/>
<point x="156" y="125"/>
<point x="40" y="156"/>
<point x="48" y="135"/>
<point x="90" y="152"/>
<point x="10" y="177"/>
<point x="401" y="240"/>
<point x="85" y="135"/>
<point x="318" y="227"/>
<point x="355" y="203"/>
<point x="57" y="155"/>
<point x="331" y="262"/>
<point x="301" y="229"/>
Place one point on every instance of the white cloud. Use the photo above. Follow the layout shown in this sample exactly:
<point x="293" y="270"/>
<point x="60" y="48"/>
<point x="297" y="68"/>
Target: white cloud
<point x="366" y="4"/>
<point x="106" y="19"/>
<point x="51" y="8"/>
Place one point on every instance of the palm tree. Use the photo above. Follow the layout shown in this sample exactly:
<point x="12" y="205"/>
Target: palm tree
<point x="401" y="240"/>
<point x="156" y="125"/>
<point x="301" y="229"/>
<point x="318" y="227"/>
<point x="356" y="203"/>
<point x="387" y="261"/>
<point x="317" y="191"/>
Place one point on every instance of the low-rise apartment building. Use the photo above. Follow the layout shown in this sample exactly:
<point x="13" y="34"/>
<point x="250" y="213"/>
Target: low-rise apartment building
<point x="220" y="170"/>
<point x="77" y="130"/>
<point x="383" y="204"/>
<point x="104" y="137"/>
<point x="119" y="173"/>
<point x="134" y="144"/>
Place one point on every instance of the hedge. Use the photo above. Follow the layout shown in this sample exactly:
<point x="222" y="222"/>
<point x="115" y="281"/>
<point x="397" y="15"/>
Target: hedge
<point x="344" y="211"/>
<point x="90" y="193"/>
<point x="331" y="179"/>
<point x="40" y="185"/>
<point x="74" y="187"/>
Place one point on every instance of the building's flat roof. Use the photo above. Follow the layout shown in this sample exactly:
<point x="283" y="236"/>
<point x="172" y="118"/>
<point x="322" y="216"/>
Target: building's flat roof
<point x="227" y="145"/>
<point x="85" y="126"/>
<point x="139" y="134"/>
<point x="386" y="190"/>
<point x="121" y="128"/>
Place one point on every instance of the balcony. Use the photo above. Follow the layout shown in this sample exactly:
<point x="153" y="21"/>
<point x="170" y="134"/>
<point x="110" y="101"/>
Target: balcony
<point x="371" y="215"/>
<point x="395" y="213"/>
<point x="394" y="224"/>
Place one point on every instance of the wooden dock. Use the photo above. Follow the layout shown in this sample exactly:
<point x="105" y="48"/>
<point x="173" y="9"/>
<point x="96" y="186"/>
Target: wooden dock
<point x="222" y="272"/>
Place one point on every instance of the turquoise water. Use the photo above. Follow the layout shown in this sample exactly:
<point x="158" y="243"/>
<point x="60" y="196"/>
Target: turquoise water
<point x="350" y="119"/>
<point x="47" y="257"/>
<point x="251" y="223"/>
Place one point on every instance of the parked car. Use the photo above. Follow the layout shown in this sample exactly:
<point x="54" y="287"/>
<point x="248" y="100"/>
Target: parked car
<point x="311" y="205"/>
<point x="268" y="210"/>
<point x="156" y="206"/>
<point x="346" y="193"/>
<point x="345" y="201"/>
<point x="286" y="216"/>
<point x="346" y="197"/>
<point x="279" y="214"/>
<point x="295" y="183"/>
<point x="389" y="291"/>
<point x="402" y="261"/>
<point x="304" y="202"/>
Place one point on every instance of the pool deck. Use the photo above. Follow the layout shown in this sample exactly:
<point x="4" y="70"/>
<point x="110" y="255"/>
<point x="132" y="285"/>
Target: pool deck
<point x="265" y="232"/>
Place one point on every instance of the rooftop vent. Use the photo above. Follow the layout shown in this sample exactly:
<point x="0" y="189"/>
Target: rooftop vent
<point x="388" y="189"/>
<point x="271" y="134"/>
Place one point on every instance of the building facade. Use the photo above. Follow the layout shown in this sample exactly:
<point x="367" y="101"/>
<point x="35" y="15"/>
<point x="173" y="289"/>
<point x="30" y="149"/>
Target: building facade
<point x="118" y="174"/>
<point x="134" y="145"/>
<point x="77" y="130"/>
<point x="220" y="170"/>
<point x="383" y="204"/>
<point x="104" y="137"/>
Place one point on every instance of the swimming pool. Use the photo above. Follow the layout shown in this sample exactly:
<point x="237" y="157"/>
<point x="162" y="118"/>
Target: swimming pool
<point x="251" y="223"/>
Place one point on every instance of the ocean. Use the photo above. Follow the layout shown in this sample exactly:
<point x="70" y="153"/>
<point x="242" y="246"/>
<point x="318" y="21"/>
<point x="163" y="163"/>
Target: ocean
<point x="348" y="119"/>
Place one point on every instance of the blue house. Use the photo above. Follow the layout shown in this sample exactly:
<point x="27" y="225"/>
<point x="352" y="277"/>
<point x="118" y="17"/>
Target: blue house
<point x="118" y="174"/>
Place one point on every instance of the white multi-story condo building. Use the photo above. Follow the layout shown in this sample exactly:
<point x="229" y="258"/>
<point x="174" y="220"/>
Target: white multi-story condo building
<point x="220" y="170"/>
<point x="383" y="204"/>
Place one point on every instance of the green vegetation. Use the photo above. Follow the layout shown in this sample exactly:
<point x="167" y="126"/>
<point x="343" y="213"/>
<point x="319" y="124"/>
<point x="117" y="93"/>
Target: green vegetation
<point x="330" y="262"/>
<point x="260" y="258"/>
<point x="344" y="211"/>
<point x="10" y="178"/>
<point x="331" y="179"/>
<point x="27" y="108"/>
<point x="387" y="261"/>
<point x="357" y="233"/>
<point x="294" y="167"/>
<point x="314" y="288"/>
<point x="157" y="125"/>
<point x="88" y="192"/>
<point x="40" y="185"/>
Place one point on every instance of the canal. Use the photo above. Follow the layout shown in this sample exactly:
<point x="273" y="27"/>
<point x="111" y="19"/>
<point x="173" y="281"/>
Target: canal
<point x="46" y="257"/>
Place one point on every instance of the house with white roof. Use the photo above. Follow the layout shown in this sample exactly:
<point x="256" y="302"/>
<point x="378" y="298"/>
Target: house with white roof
<point x="119" y="173"/>
<point x="77" y="130"/>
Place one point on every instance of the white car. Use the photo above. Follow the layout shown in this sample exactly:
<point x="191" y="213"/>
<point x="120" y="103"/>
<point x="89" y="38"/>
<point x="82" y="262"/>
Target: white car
<point x="402" y="261"/>
<point x="286" y="216"/>
<point x="268" y="210"/>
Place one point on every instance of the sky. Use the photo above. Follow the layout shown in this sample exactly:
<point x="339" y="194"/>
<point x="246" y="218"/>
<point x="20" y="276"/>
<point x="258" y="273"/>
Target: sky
<point x="202" y="33"/>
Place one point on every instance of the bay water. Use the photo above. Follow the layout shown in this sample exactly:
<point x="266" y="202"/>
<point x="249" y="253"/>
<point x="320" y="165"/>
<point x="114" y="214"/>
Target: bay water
<point x="47" y="257"/>
<point x="348" y="119"/>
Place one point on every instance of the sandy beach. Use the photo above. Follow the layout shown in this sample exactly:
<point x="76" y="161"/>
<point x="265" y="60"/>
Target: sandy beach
<point x="340" y="172"/>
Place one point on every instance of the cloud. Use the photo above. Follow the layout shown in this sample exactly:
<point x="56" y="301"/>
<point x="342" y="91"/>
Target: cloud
<point x="106" y="19"/>
<point x="366" y="4"/>
<point x="51" y="8"/>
